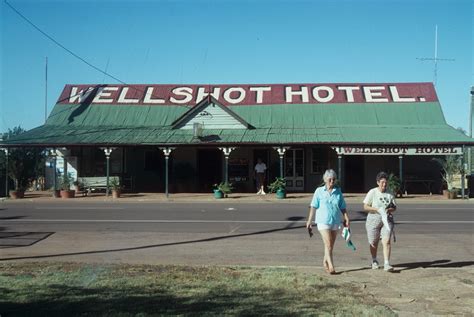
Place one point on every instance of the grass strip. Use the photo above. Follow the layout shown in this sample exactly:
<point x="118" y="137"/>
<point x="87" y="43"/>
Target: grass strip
<point x="75" y="289"/>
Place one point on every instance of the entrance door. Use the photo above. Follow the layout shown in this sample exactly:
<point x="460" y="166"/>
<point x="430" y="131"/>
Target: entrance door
<point x="209" y="169"/>
<point x="354" y="174"/>
<point x="294" y="169"/>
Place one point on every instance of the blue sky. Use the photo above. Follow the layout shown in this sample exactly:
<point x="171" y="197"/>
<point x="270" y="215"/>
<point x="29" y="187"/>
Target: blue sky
<point x="212" y="42"/>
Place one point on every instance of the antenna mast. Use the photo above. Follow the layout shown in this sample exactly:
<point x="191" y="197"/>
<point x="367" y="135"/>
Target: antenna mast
<point x="435" y="59"/>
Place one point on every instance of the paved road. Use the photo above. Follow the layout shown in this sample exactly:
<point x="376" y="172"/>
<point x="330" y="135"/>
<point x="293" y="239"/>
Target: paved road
<point x="214" y="218"/>
<point x="220" y="233"/>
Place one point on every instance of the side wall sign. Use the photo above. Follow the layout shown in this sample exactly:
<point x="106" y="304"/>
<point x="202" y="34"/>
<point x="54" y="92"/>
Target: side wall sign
<point x="402" y="150"/>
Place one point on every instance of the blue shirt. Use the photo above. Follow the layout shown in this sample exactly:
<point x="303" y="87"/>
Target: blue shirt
<point x="328" y="206"/>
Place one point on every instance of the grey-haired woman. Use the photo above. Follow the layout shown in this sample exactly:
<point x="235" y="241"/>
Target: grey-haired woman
<point x="330" y="208"/>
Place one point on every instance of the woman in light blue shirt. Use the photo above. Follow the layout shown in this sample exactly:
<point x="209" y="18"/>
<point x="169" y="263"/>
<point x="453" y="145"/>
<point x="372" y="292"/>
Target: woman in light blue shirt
<point x="330" y="208"/>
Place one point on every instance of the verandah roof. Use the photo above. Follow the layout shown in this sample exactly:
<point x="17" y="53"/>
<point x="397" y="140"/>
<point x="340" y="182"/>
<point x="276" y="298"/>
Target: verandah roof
<point x="335" y="124"/>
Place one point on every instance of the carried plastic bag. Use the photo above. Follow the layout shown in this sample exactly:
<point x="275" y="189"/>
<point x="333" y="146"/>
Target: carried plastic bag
<point x="346" y="235"/>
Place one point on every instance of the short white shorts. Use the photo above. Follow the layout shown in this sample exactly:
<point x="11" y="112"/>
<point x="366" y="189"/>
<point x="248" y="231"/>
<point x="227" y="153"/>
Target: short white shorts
<point x="322" y="226"/>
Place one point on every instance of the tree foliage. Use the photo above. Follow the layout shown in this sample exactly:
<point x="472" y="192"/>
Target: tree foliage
<point x="451" y="165"/>
<point x="25" y="164"/>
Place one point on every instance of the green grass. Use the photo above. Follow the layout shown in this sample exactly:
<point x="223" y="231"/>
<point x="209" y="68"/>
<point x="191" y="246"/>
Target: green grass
<point x="69" y="289"/>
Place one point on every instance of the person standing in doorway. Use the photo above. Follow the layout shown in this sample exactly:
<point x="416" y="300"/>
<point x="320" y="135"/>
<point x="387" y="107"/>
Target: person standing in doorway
<point x="260" y="169"/>
<point x="380" y="204"/>
<point x="330" y="208"/>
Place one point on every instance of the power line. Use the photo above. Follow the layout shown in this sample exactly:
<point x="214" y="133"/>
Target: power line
<point x="74" y="54"/>
<point x="62" y="46"/>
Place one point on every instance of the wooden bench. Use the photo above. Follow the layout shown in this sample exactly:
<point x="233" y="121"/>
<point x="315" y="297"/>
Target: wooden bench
<point x="97" y="182"/>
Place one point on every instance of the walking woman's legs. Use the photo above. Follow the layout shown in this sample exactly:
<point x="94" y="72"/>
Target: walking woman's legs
<point x="387" y="249"/>
<point x="373" y="249"/>
<point x="329" y="238"/>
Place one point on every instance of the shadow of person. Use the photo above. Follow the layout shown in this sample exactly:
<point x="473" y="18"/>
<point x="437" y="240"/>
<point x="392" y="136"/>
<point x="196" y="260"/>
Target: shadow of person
<point x="433" y="264"/>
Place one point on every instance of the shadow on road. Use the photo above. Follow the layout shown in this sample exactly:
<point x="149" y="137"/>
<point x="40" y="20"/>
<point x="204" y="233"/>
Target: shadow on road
<point x="21" y="239"/>
<point x="288" y="227"/>
<point x="12" y="217"/>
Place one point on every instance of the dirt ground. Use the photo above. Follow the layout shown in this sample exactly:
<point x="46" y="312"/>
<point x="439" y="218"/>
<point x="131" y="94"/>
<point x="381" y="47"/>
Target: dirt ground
<point x="416" y="292"/>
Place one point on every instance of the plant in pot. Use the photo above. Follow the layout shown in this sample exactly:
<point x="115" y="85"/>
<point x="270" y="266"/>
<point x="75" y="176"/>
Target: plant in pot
<point x="451" y="165"/>
<point x="66" y="191"/>
<point x="77" y="186"/>
<point x="278" y="186"/>
<point x="18" y="192"/>
<point x="114" y="183"/>
<point x="222" y="189"/>
<point x="394" y="184"/>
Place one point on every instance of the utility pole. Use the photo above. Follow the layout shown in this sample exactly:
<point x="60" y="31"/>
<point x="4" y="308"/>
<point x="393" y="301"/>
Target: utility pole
<point x="46" y="91"/>
<point x="435" y="59"/>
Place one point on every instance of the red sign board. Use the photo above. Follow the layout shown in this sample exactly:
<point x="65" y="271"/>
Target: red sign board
<point x="257" y="94"/>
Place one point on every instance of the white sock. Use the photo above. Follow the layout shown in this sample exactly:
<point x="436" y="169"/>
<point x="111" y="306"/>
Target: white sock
<point x="386" y="262"/>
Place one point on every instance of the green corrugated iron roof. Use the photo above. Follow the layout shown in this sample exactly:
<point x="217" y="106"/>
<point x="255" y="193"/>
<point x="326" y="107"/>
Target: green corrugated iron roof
<point x="375" y="123"/>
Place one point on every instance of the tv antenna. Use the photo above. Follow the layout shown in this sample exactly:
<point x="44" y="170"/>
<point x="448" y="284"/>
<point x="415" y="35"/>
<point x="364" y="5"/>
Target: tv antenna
<point x="435" y="59"/>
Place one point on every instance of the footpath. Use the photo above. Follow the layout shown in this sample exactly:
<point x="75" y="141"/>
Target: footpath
<point x="43" y="196"/>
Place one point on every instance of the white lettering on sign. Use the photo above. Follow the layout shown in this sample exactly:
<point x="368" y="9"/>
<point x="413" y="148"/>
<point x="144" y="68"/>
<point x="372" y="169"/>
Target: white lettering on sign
<point x="228" y="97"/>
<point x="349" y="90"/>
<point x="104" y="92"/>
<point x="373" y="92"/>
<point x="201" y="94"/>
<point x="123" y="97"/>
<point x="148" y="97"/>
<point x="187" y="92"/>
<point x="289" y="93"/>
<point x="329" y="94"/>
<point x="251" y="95"/>
<point x="396" y="97"/>
<point x="425" y="150"/>
<point x="259" y="93"/>
<point x="81" y="95"/>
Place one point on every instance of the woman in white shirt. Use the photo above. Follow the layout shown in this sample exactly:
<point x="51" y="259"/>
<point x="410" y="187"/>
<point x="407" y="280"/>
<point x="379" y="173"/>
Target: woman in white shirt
<point x="380" y="204"/>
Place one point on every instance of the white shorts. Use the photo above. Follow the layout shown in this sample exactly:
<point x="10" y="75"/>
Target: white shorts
<point x="322" y="226"/>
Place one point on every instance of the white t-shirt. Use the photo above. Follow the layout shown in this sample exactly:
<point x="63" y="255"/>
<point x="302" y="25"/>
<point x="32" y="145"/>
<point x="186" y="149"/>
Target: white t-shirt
<point x="375" y="198"/>
<point x="260" y="167"/>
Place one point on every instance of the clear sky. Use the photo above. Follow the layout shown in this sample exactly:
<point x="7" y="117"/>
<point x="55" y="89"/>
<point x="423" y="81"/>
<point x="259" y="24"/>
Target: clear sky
<point x="232" y="42"/>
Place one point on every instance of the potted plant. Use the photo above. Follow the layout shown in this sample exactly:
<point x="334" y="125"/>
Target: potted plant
<point x="114" y="183"/>
<point x="394" y="184"/>
<point x="279" y="187"/>
<point x="17" y="193"/>
<point x="222" y="190"/>
<point x="77" y="186"/>
<point x="65" y="185"/>
<point x="451" y="165"/>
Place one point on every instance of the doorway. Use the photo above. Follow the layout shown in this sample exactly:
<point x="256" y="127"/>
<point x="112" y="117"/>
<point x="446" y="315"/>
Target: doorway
<point x="354" y="174"/>
<point x="209" y="166"/>
<point x="294" y="169"/>
<point x="265" y="156"/>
